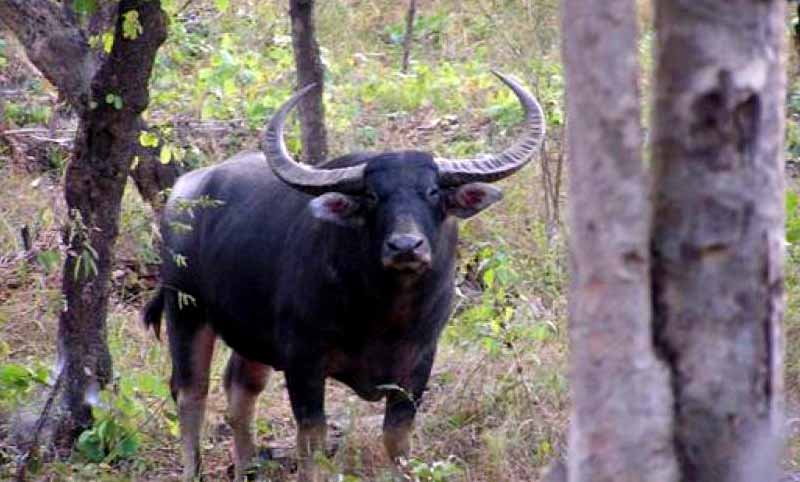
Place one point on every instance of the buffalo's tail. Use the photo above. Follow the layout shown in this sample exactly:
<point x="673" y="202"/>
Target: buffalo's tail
<point x="151" y="315"/>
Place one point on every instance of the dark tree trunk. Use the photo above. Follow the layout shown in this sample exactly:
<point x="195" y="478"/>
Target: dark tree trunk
<point x="57" y="46"/>
<point x="621" y="416"/>
<point x="94" y="183"/>
<point x="309" y="70"/>
<point x="409" y="38"/>
<point x="718" y="234"/>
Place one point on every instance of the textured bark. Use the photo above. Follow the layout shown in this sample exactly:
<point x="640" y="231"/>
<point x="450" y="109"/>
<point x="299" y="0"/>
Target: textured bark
<point x="57" y="46"/>
<point x="54" y="43"/>
<point x="94" y="183"/>
<point x="718" y="232"/>
<point x="621" y="416"/>
<point x="409" y="37"/>
<point x="309" y="70"/>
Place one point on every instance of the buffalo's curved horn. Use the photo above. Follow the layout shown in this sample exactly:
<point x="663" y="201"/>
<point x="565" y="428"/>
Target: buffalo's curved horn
<point x="300" y="176"/>
<point x="493" y="167"/>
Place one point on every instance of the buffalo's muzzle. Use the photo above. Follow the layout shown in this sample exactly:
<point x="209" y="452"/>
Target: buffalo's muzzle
<point x="407" y="252"/>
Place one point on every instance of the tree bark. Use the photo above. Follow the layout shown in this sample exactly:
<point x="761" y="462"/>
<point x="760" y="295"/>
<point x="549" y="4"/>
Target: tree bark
<point x="55" y="44"/>
<point x="409" y="37"/>
<point x="58" y="47"/>
<point x="621" y="416"/>
<point x="718" y="236"/>
<point x="309" y="70"/>
<point x="94" y="184"/>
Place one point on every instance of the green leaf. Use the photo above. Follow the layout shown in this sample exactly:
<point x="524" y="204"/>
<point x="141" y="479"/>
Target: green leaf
<point x="222" y="5"/>
<point x="148" y="139"/>
<point x="792" y="201"/>
<point x="131" y="27"/>
<point x="114" y="100"/>
<point x="108" y="41"/>
<point x="488" y="278"/>
<point x="84" y="7"/>
<point x="90" y="446"/>
<point x="49" y="260"/>
<point x="13" y="376"/>
<point x="166" y="155"/>
<point x="128" y="446"/>
<point x="105" y="430"/>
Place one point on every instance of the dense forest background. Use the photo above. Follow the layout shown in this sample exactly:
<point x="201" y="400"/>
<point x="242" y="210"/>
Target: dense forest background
<point x="225" y="67"/>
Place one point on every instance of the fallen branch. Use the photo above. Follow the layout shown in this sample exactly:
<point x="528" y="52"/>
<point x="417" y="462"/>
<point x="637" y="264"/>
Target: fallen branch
<point x="33" y="448"/>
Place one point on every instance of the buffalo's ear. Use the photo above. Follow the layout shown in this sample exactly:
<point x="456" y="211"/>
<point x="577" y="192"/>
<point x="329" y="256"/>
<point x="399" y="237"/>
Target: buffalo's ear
<point x="337" y="208"/>
<point x="469" y="199"/>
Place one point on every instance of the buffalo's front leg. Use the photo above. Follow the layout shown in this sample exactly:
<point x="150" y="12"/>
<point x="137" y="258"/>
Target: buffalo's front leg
<point x="401" y="408"/>
<point x="398" y="423"/>
<point x="307" y="394"/>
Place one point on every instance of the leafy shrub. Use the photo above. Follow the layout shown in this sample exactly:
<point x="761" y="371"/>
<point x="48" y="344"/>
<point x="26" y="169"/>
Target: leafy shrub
<point x="18" y="380"/>
<point x="119" y="416"/>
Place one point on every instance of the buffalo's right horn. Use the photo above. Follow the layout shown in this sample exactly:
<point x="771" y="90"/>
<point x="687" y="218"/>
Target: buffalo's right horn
<point x="300" y="176"/>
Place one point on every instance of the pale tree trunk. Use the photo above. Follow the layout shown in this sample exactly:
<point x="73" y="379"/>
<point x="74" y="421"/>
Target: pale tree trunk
<point x="57" y="46"/>
<point x="621" y="416"/>
<point x="718" y="231"/>
<point x="95" y="178"/>
<point x="310" y="70"/>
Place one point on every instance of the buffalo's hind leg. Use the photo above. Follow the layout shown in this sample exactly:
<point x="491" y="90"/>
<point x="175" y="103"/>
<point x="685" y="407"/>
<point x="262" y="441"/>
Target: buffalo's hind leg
<point x="191" y="344"/>
<point x="244" y="381"/>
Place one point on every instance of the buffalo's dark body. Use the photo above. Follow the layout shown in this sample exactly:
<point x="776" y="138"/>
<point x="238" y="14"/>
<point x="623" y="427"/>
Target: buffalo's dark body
<point x="291" y="291"/>
<point x="343" y="272"/>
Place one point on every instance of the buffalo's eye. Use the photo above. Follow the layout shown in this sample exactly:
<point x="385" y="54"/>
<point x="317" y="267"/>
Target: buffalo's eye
<point x="372" y="198"/>
<point x="433" y="193"/>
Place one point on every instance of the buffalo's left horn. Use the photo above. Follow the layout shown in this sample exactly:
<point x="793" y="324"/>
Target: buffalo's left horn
<point x="493" y="167"/>
<point x="300" y="176"/>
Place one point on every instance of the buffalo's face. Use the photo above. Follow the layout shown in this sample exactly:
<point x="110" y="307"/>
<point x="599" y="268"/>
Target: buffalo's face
<point x="402" y="198"/>
<point x="403" y="207"/>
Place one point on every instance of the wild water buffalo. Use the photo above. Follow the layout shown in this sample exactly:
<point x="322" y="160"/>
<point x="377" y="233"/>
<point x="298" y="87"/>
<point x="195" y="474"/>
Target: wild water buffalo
<point x="344" y="271"/>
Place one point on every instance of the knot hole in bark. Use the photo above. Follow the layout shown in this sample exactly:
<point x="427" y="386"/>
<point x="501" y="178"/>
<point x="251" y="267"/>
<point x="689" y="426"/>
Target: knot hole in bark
<point x="725" y="127"/>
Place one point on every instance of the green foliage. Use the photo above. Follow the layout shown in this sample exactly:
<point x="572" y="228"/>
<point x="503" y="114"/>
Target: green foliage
<point x="119" y="417"/>
<point x="105" y="41"/>
<point x="3" y="58"/>
<point x="17" y="380"/>
<point x="23" y="114"/>
<point x="496" y="319"/>
<point x="115" y="100"/>
<point x="430" y="26"/>
<point x="136" y="219"/>
<point x="107" y="440"/>
<point x="131" y="27"/>
<point x="85" y="255"/>
<point x="84" y="7"/>
<point x="49" y="260"/>
<point x="222" y="5"/>
<point x="437" y="471"/>
<point x="148" y="139"/>
<point x="185" y="299"/>
<point x="792" y="218"/>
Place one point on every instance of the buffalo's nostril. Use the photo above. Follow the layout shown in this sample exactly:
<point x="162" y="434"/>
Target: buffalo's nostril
<point x="403" y="243"/>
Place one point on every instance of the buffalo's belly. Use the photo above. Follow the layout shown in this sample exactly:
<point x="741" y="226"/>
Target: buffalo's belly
<point x="379" y="368"/>
<point x="253" y="337"/>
